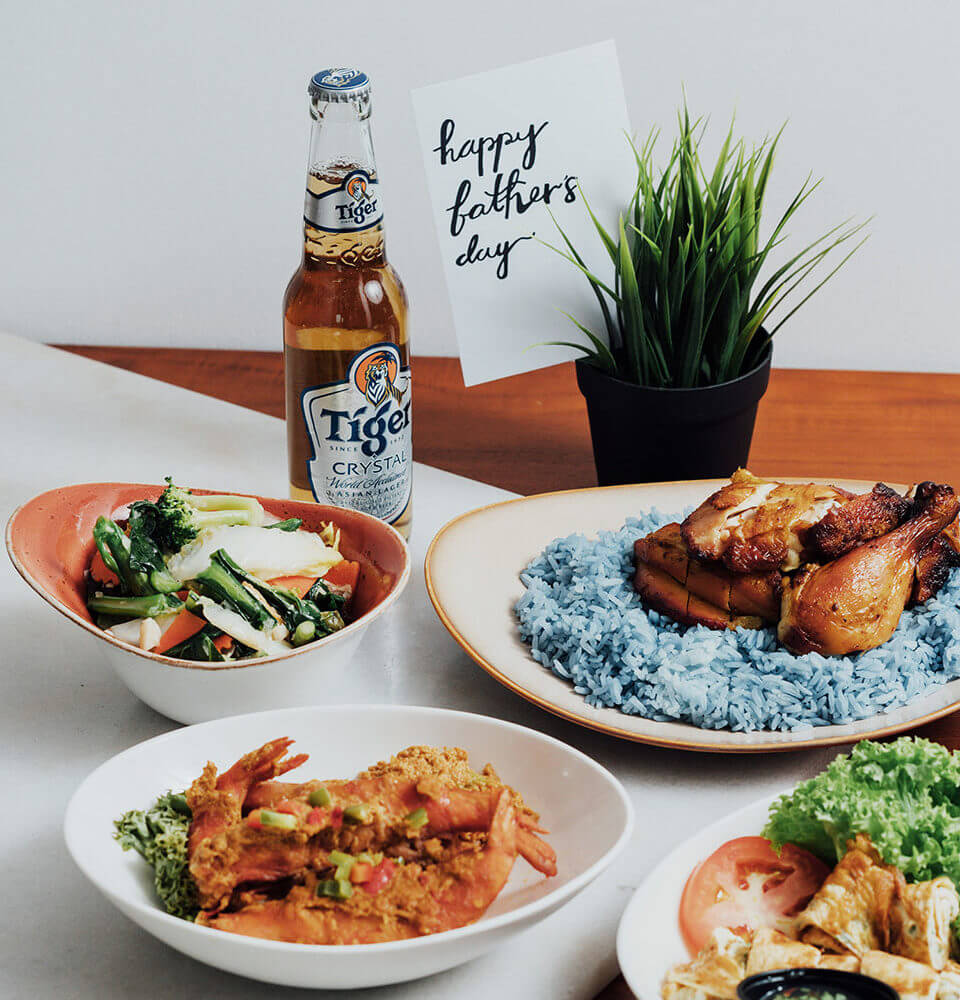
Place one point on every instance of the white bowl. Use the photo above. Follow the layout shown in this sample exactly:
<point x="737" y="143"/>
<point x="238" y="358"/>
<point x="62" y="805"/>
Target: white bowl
<point x="50" y="542"/>
<point x="583" y="806"/>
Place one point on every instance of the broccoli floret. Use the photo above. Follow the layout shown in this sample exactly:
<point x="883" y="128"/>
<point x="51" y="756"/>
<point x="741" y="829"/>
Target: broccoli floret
<point x="182" y="515"/>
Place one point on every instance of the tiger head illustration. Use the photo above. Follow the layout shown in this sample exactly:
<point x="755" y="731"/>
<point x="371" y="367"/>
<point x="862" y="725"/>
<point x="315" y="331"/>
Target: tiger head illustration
<point x="375" y="379"/>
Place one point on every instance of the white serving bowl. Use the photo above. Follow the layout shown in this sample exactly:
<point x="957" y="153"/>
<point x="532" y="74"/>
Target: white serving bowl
<point x="50" y="542"/>
<point x="583" y="806"/>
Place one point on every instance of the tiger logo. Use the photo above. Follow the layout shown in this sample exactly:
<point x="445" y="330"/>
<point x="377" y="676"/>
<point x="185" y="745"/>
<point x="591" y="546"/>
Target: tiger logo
<point x="376" y="378"/>
<point x="357" y="188"/>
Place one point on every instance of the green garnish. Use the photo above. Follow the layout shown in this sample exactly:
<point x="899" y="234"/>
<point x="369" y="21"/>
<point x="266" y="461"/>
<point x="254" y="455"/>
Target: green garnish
<point x="359" y="813"/>
<point x="903" y="794"/>
<point x="305" y="632"/>
<point x="370" y="859"/>
<point x="159" y="836"/>
<point x="344" y="864"/>
<point x="283" y="821"/>
<point x="335" y="888"/>
<point x="148" y="606"/>
<point x="291" y="524"/>
<point x="416" y="819"/>
<point x="319" y="797"/>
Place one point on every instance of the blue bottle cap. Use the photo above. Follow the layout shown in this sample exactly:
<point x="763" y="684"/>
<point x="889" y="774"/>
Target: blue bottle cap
<point x="339" y="84"/>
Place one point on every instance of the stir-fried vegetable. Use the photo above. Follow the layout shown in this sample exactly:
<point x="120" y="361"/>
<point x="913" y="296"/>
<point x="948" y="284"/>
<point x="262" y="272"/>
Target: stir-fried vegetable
<point x="182" y="515"/>
<point x="145" y="554"/>
<point x="291" y="524"/>
<point x="147" y="606"/>
<point x="221" y="583"/>
<point x="164" y="580"/>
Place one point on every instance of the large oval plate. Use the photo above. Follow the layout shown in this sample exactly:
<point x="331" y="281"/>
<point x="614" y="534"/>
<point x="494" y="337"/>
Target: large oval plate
<point x="473" y="577"/>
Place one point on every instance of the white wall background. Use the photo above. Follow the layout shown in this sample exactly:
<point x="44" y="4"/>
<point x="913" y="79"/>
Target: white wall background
<point x="152" y="155"/>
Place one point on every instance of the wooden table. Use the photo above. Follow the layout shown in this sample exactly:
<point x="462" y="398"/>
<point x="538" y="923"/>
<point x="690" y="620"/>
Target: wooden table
<point x="529" y="433"/>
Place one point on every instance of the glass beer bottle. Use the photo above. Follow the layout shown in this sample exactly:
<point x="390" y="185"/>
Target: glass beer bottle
<point x="345" y="347"/>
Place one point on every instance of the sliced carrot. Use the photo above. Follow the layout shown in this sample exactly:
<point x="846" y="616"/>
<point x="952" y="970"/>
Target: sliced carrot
<point x="298" y="584"/>
<point x="223" y="642"/>
<point x="100" y="572"/>
<point x="344" y="574"/>
<point x="179" y="630"/>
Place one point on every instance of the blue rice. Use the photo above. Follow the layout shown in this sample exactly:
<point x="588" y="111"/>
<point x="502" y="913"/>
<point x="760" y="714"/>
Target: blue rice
<point x="583" y="620"/>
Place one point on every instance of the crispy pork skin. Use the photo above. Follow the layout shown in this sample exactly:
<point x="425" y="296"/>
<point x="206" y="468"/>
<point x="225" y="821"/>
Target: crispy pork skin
<point x="750" y="594"/>
<point x="854" y="603"/>
<point x="756" y="524"/>
<point x="857" y="520"/>
<point x="934" y="566"/>
<point x="663" y="593"/>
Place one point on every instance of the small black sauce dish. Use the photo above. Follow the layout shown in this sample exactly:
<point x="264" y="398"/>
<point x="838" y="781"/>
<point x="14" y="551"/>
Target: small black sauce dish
<point x="814" y="984"/>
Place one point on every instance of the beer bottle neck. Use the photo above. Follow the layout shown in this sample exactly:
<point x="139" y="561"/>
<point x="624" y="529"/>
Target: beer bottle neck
<point x="342" y="214"/>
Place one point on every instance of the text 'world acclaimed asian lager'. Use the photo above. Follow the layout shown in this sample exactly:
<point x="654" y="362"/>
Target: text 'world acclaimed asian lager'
<point x="345" y="348"/>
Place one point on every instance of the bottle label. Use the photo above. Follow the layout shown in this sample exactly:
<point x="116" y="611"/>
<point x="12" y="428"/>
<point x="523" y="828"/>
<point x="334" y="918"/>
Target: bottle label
<point x="359" y="431"/>
<point x="349" y="206"/>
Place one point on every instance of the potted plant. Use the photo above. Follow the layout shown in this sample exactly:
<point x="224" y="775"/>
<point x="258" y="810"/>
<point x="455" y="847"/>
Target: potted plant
<point x="673" y="382"/>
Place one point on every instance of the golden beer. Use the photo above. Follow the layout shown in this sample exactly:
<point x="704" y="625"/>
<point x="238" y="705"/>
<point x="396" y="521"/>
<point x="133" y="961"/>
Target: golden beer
<point x="345" y="347"/>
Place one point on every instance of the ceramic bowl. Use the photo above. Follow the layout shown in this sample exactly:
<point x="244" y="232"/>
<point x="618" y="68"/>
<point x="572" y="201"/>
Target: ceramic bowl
<point x="50" y="543"/>
<point x="553" y="778"/>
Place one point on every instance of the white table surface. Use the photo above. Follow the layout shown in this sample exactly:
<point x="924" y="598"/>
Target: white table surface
<point x="62" y="711"/>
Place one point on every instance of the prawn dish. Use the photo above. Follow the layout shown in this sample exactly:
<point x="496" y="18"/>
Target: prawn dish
<point x="415" y="845"/>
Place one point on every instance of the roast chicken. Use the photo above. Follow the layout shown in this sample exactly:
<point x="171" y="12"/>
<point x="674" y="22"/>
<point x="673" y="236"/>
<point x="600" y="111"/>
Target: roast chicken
<point x="832" y="570"/>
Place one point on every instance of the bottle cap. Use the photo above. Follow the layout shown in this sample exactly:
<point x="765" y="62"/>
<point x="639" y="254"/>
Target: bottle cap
<point x="339" y="84"/>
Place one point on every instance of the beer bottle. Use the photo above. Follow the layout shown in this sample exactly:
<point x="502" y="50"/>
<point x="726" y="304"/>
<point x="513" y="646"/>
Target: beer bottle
<point x="345" y="348"/>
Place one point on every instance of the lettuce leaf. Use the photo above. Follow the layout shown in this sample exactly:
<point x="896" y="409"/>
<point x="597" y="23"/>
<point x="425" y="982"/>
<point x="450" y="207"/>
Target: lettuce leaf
<point x="904" y="794"/>
<point x="159" y="836"/>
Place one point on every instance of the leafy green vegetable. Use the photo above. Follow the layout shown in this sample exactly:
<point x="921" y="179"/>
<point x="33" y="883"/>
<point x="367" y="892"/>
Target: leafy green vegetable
<point x="221" y="582"/>
<point x="145" y="555"/>
<point x="292" y="609"/>
<point x="159" y="836"/>
<point x="114" y="548"/>
<point x="905" y="795"/>
<point x="291" y="524"/>
<point x="198" y="647"/>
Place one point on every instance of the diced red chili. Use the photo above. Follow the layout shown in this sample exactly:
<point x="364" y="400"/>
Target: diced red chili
<point x="286" y="806"/>
<point x="336" y="817"/>
<point x="380" y="877"/>
<point x="315" y="817"/>
<point x="254" y="820"/>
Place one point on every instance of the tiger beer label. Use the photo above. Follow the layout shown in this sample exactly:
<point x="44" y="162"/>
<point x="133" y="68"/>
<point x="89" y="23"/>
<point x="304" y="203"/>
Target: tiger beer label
<point x="359" y="431"/>
<point x="349" y="206"/>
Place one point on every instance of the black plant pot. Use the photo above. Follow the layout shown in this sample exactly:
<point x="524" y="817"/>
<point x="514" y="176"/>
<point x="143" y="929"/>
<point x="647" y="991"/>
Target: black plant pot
<point x="646" y="435"/>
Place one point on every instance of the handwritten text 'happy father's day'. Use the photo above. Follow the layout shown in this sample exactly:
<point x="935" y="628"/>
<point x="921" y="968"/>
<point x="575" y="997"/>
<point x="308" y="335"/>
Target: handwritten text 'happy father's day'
<point x="509" y="193"/>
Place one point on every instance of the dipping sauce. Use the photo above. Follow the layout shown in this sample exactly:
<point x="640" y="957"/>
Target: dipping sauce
<point x="814" y="984"/>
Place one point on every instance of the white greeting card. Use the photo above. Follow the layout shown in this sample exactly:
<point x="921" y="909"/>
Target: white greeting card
<point x="503" y="150"/>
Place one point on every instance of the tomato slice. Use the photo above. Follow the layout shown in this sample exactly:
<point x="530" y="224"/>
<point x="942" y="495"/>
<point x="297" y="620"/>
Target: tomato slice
<point x="745" y="885"/>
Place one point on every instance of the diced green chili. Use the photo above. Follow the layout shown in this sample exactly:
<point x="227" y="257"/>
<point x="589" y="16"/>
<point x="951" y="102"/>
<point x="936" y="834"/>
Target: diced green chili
<point x="344" y="864"/>
<point x="319" y="797"/>
<point x="359" y="813"/>
<point x="283" y="821"/>
<point x="335" y="888"/>
<point x="416" y="819"/>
